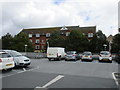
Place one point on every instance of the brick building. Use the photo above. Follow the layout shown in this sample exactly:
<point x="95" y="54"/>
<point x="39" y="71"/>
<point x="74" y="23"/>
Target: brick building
<point x="39" y="36"/>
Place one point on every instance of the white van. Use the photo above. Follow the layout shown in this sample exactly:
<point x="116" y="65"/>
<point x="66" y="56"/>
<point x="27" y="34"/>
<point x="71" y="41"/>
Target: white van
<point x="55" y="53"/>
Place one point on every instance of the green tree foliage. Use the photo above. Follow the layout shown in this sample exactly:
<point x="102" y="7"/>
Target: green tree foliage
<point x="77" y="41"/>
<point x="7" y="41"/>
<point x="96" y="44"/>
<point x="116" y="43"/>
<point x="56" y="40"/>
<point x="17" y="42"/>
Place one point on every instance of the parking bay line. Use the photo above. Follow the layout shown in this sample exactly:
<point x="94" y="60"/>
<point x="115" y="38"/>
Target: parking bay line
<point x="19" y="72"/>
<point x="51" y="82"/>
<point x="113" y="74"/>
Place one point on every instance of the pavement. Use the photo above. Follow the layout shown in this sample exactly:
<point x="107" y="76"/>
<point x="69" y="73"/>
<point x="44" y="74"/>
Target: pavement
<point x="43" y="74"/>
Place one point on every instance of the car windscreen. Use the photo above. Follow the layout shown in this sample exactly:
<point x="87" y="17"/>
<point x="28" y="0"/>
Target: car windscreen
<point x="104" y="53"/>
<point x="15" y="54"/>
<point x="87" y="54"/>
<point x="69" y="53"/>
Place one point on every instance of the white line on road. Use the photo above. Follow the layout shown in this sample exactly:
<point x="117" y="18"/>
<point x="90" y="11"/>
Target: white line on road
<point x="52" y="81"/>
<point x="24" y="69"/>
<point x="113" y="74"/>
<point x="20" y="72"/>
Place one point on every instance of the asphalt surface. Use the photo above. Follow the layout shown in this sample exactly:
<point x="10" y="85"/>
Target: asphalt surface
<point x="61" y="74"/>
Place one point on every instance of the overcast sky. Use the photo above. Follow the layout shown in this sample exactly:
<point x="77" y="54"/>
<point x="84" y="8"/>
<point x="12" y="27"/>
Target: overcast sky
<point x="19" y="14"/>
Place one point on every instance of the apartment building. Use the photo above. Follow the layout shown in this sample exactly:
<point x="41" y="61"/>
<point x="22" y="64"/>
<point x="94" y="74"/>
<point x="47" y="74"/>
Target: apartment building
<point x="39" y="36"/>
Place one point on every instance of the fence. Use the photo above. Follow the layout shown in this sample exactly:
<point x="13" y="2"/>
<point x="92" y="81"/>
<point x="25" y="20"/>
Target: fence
<point x="34" y="55"/>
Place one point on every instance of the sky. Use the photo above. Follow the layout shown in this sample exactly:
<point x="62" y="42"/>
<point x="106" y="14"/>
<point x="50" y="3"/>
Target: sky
<point x="18" y="14"/>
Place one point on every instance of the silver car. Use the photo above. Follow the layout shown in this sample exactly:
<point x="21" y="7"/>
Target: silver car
<point x="87" y="56"/>
<point x="105" y="56"/>
<point x="19" y="59"/>
<point x="71" y="55"/>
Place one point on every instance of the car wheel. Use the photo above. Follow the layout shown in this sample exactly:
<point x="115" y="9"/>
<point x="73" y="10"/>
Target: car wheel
<point x="10" y="69"/>
<point x="65" y="59"/>
<point x="110" y="61"/>
<point x="49" y="59"/>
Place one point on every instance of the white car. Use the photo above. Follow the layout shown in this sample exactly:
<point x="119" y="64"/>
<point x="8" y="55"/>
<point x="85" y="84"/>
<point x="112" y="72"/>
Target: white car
<point x="105" y="56"/>
<point x="19" y="59"/>
<point x="87" y="56"/>
<point x="6" y="61"/>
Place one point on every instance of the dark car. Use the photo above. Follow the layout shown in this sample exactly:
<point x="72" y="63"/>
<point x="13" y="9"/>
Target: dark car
<point x="117" y="57"/>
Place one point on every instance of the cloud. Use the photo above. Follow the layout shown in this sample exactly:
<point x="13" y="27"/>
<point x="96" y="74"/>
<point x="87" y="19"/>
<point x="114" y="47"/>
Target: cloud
<point x="17" y="15"/>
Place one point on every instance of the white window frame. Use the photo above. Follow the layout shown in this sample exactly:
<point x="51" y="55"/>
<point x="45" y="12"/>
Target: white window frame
<point x="30" y="35"/>
<point x="37" y="35"/>
<point x="30" y="40"/>
<point x="42" y="41"/>
<point x="37" y="41"/>
<point x="67" y="33"/>
<point x="47" y="34"/>
<point x="90" y="35"/>
<point x="42" y="47"/>
<point x="37" y="47"/>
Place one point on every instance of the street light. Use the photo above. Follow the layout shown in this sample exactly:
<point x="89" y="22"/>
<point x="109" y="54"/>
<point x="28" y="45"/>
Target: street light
<point x="25" y="48"/>
<point x="105" y="46"/>
<point x="47" y="44"/>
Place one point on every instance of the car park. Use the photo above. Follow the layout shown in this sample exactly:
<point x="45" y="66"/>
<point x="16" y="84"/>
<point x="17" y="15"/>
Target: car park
<point x="6" y="61"/>
<point x="72" y="55"/>
<point x="87" y="56"/>
<point x="105" y="56"/>
<point x="117" y="57"/>
<point x="19" y="59"/>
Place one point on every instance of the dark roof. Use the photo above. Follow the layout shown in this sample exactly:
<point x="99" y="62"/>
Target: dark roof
<point x="50" y="29"/>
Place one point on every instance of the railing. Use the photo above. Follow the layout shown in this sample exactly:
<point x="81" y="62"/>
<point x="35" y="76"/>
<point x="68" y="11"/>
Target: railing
<point x="34" y="54"/>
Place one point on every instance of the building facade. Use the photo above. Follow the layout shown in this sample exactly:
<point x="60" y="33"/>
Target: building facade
<point x="39" y="36"/>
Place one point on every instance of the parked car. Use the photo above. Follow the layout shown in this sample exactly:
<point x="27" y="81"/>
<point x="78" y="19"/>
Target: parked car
<point x="117" y="57"/>
<point x="55" y="53"/>
<point x="87" y="56"/>
<point x="6" y="61"/>
<point x="72" y="55"/>
<point x="19" y="59"/>
<point x="105" y="56"/>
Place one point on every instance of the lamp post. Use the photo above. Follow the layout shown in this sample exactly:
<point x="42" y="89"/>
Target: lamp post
<point x="25" y="48"/>
<point x="105" y="46"/>
<point x="47" y="44"/>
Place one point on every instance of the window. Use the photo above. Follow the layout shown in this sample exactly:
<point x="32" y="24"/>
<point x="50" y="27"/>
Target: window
<point x="37" y="47"/>
<point x="30" y="40"/>
<point x="30" y="35"/>
<point x="90" y="34"/>
<point x="47" y="34"/>
<point x="37" y="40"/>
<point x="37" y="35"/>
<point x="67" y="33"/>
<point x="42" y="47"/>
<point x="42" y="41"/>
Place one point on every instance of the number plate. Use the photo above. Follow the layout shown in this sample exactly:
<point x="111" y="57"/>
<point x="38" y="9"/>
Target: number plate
<point x="8" y="64"/>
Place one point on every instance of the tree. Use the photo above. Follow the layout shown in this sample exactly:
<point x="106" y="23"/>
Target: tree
<point x="77" y="41"/>
<point x="7" y="41"/>
<point x="19" y="42"/>
<point x="56" y="40"/>
<point x="116" y="43"/>
<point x="96" y="44"/>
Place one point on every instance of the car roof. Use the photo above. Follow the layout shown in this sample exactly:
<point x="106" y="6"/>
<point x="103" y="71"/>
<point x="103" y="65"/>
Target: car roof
<point x="2" y="52"/>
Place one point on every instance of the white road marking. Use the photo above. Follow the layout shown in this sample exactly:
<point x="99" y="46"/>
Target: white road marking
<point x="19" y="72"/>
<point x="24" y="69"/>
<point x="52" y="81"/>
<point x="115" y="79"/>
